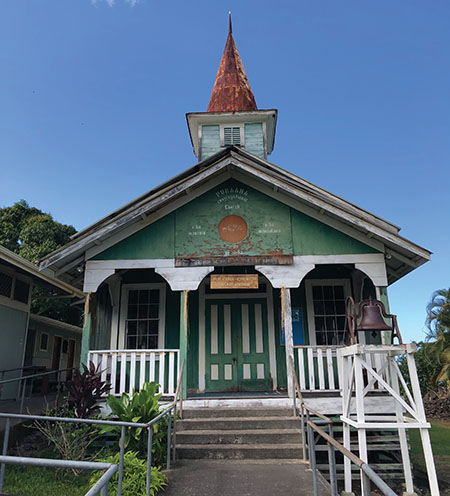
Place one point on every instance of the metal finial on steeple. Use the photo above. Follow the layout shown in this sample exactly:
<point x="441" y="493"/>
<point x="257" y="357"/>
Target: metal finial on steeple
<point x="230" y="27"/>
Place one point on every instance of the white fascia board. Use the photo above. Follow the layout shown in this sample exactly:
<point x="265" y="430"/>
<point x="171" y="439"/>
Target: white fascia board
<point x="55" y="323"/>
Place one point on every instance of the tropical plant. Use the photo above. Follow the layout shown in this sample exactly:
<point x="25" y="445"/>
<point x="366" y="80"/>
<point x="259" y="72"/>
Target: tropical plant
<point x="85" y="390"/>
<point x="141" y="407"/>
<point x="134" y="476"/>
<point x="438" y="313"/>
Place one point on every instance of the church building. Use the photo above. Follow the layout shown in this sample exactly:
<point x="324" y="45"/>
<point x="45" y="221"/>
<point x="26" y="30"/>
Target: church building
<point x="231" y="269"/>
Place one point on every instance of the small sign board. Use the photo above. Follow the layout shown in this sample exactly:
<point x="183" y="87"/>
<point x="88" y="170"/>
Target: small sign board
<point x="234" y="281"/>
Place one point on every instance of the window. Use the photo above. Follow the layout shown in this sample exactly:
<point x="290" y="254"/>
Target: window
<point x="15" y="287"/>
<point x="5" y="284"/>
<point x="143" y="317"/>
<point x="326" y="311"/>
<point x="43" y="346"/>
<point x="232" y="135"/>
<point x="21" y="291"/>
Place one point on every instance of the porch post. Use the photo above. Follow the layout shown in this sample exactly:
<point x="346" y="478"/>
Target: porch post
<point x="184" y="336"/>
<point x="286" y="319"/>
<point x="86" y="337"/>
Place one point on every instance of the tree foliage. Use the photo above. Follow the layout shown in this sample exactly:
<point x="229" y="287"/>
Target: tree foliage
<point x="32" y="234"/>
<point x="438" y="313"/>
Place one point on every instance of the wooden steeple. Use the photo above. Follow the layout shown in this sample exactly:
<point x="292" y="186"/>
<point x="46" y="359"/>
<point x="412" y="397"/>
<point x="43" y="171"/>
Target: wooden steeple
<point x="231" y="90"/>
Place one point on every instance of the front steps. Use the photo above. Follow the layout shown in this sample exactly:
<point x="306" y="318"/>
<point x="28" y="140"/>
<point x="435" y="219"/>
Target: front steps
<point x="238" y="433"/>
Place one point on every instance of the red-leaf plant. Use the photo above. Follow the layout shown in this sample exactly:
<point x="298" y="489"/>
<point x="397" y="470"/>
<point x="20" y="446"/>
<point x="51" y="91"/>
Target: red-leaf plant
<point x="86" y="389"/>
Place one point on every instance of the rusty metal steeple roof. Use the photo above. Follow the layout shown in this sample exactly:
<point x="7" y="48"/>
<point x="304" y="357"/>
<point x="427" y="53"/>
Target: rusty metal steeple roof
<point x="231" y="90"/>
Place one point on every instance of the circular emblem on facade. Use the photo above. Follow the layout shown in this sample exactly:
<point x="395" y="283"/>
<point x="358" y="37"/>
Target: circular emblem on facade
<point x="233" y="228"/>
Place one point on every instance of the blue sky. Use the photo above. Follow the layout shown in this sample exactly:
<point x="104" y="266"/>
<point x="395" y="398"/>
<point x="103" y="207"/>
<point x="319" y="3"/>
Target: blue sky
<point x="93" y="97"/>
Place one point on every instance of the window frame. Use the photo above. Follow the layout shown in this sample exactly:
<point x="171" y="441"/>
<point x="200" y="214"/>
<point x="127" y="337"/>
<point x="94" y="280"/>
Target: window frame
<point x="10" y="301"/>
<point x="161" y="311"/>
<point x="40" y="341"/>
<point x="222" y="134"/>
<point x="309" y="284"/>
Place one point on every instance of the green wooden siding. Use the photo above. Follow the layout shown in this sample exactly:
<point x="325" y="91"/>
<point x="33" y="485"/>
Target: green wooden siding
<point x="153" y="241"/>
<point x="254" y="141"/>
<point x="312" y="237"/>
<point x="273" y="229"/>
<point x="210" y="141"/>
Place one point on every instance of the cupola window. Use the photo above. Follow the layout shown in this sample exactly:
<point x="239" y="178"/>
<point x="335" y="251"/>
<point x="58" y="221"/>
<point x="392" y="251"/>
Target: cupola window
<point x="232" y="136"/>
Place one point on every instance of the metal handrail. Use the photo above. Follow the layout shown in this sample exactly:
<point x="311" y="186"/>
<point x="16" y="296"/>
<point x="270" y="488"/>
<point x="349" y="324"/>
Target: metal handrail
<point x="332" y="445"/>
<point x="101" y="485"/>
<point x="25" y="378"/>
<point x="363" y="466"/>
<point x="18" y="368"/>
<point x="149" y="426"/>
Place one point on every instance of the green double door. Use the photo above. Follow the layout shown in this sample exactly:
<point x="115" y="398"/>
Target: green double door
<point x="236" y="345"/>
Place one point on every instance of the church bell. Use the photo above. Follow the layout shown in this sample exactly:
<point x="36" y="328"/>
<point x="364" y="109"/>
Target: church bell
<point x="372" y="318"/>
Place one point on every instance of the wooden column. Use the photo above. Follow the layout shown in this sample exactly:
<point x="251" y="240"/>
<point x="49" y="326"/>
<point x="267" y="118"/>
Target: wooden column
<point x="86" y="338"/>
<point x="184" y="337"/>
<point x="286" y="322"/>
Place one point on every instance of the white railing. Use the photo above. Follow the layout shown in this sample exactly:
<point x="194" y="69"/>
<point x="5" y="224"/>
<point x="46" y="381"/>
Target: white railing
<point x="320" y="368"/>
<point x="127" y="370"/>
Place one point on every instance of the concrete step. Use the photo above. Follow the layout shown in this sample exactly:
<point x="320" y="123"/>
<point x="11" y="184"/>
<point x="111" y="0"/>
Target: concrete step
<point x="240" y="452"/>
<point x="238" y="437"/>
<point x="198" y="413"/>
<point x="236" y="423"/>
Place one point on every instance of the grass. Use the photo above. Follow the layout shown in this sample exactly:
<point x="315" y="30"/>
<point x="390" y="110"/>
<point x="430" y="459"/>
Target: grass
<point x="440" y="441"/>
<point x="36" y="481"/>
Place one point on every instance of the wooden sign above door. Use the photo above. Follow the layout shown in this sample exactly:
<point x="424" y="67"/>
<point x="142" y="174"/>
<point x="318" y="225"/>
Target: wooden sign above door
<point x="234" y="281"/>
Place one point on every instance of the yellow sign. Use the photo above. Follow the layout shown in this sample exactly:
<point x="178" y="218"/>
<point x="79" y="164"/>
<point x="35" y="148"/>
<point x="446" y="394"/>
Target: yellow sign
<point x="234" y="281"/>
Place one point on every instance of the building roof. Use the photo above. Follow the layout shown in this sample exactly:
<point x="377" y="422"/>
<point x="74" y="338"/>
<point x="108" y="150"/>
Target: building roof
<point x="55" y="323"/>
<point x="402" y="256"/>
<point x="231" y="90"/>
<point x="29" y="268"/>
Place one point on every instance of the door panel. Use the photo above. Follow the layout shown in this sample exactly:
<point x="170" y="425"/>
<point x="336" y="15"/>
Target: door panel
<point x="237" y="355"/>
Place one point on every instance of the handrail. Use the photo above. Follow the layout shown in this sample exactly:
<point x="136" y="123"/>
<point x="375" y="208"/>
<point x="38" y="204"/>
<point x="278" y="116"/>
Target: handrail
<point x="25" y="378"/>
<point x="178" y="391"/>
<point x="373" y="476"/>
<point x="332" y="445"/>
<point x="109" y="468"/>
<point x="18" y="368"/>
<point x="148" y="425"/>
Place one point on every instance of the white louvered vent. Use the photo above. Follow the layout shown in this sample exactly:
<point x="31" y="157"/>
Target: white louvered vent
<point x="232" y="136"/>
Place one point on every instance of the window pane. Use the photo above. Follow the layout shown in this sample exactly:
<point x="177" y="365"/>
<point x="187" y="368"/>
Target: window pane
<point x="21" y="291"/>
<point x="132" y="327"/>
<point x="131" y="342"/>
<point x="317" y="293"/>
<point x="320" y="323"/>
<point x="133" y="297"/>
<point x="143" y="296"/>
<point x="132" y="311"/>
<point x="5" y="284"/>
<point x="153" y="311"/>
<point x="340" y="308"/>
<point x="328" y="293"/>
<point x="330" y="323"/>
<point x="319" y="308"/>
<point x="329" y="307"/>
<point x="44" y="342"/>
<point x="142" y="311"/>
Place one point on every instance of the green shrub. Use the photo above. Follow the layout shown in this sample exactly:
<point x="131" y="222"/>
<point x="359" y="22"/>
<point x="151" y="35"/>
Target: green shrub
<point x="70" y="441"/>
<point x="142" y="407"/>
<point x="134" y="476"/>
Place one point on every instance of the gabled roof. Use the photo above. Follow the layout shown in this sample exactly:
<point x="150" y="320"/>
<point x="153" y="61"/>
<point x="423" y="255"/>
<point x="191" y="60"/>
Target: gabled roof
<point x="231" y="90"/>
<point x="402" y="255"/>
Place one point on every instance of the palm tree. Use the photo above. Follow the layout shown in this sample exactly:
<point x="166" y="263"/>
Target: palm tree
<point x="438" y="314"/>
<point x="438" y="323"/>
